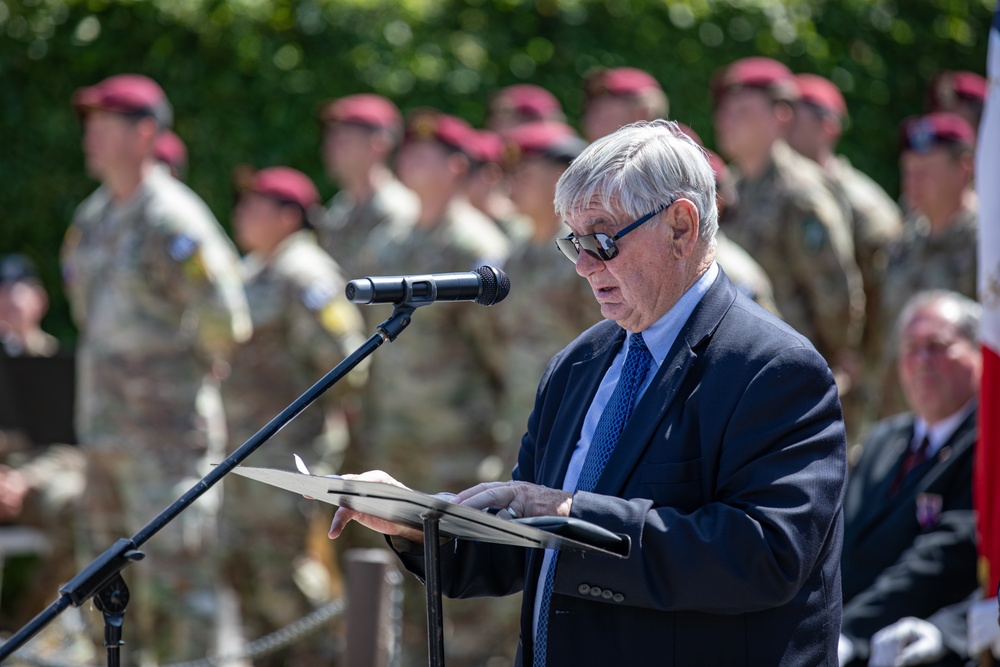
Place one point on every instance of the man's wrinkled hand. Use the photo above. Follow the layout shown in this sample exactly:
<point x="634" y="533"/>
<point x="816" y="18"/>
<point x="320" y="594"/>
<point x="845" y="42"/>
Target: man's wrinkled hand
<point x="520" y="498"/>
<point x="345" y="515"/>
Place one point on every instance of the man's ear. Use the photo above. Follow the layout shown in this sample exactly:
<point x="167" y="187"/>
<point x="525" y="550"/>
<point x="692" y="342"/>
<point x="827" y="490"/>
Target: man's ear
<point x="684" y="224"/>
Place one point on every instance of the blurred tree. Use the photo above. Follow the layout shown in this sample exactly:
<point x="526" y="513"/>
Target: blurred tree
<point x="246" y="76"/>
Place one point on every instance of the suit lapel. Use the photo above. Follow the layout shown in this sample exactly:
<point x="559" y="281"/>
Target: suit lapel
<point x="928" y="472"/>
<point x="581" y="387"/>
<point x="662" y="391"/>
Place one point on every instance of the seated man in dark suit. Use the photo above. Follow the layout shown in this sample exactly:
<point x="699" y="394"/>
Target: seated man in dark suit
<point x="727" y="477"/>
<point x="914" y="479"/>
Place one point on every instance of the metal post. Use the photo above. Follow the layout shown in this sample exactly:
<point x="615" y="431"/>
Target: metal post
<point x="432" y="584"/>
<point x="373" y="586"/>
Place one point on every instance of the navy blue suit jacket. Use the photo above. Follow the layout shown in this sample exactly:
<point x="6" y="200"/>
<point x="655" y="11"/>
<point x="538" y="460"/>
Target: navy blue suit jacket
<point x="728" y="481"/>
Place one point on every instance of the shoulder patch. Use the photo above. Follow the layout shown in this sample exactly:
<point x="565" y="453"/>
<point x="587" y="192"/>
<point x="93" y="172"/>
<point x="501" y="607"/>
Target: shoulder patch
<point x="182" y="247"/>
<point x="813" y="234"/>
<point x="317" y="296"/>
<point x="340" y="317"/>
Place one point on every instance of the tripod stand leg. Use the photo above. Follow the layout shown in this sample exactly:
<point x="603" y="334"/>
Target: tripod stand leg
<point x="111" y="601"/>
<point x="435" y="617"/>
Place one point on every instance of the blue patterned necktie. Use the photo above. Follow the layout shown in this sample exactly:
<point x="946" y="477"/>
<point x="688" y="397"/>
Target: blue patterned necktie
<point x="609" y="429"/>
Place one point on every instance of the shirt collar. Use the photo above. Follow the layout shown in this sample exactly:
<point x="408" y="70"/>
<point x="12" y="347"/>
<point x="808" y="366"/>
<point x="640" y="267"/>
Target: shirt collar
<point x="939" y="433"/>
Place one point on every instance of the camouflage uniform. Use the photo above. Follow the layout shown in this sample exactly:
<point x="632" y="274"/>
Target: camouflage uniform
<point x="303" y="327"/>
<point x="155" y="291"/>
<point x="347" y="231"/>
<point x="745" y="272"/>
<point x="433" y="396"/>
<point x="792" y="224"/>
<point x="921" y="261"/>
<point x="876" y="223"/>
<point x="548" y="307"/>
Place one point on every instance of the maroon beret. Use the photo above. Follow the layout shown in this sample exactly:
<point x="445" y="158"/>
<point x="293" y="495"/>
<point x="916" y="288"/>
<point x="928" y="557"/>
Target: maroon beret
<point x="548" y="139"/>
<point x="487" y="147"/>
<point x="948" y="87"/>
<point x="922" y="133"/>
<point x="170" y="150"/>
<point x="529" y="101"/>
<point x="364" y="109"/>
<point x="756" y="72"/>
<point x="286" y="185"/>
<point x="619" y="82"/>
<point x="822" y="93"/>
<point x="126" y="94"/>
<point x="451" y="131"/>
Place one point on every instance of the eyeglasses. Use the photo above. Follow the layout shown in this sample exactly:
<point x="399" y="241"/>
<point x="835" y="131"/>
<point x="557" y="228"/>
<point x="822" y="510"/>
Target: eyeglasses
<point x="600" y="246"/>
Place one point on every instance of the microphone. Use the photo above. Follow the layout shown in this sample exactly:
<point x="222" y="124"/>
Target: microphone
<point x="486" y="286"/>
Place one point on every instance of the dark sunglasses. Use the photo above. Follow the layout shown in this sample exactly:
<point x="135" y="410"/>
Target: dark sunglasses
<point x="600" y="246"/>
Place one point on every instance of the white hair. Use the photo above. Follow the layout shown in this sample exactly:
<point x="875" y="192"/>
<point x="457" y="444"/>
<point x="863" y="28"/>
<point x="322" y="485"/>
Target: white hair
<point x="638" y="169"/>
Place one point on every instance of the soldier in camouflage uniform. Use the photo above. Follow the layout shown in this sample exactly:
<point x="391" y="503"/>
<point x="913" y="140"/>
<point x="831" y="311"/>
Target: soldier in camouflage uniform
<point x="550" y="305"/>
<point x="303" y="326"/>
<point x="745" y="273"/>
<point x="938" y="246"/>
<point x="434" y="394"/>
<point x="786" y="217"/>
<point x="23" y="304"/>
<point x="876" y="222"/>
<point x="360" y="133"/>
<point x="963" y="93"/>
<point x="155" y="290"/>
<point x="487" y="186"/>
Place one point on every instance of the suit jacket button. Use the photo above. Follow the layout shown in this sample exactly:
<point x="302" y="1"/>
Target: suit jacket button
<point x="618" y="597"/>
<point x="583" y="589"/>
<point x="595" y="591"/>
<point x="606" y="594"/>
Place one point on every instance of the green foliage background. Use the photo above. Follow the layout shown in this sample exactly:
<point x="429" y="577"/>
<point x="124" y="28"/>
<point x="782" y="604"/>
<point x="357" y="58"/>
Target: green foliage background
<point x="246" y="76"/>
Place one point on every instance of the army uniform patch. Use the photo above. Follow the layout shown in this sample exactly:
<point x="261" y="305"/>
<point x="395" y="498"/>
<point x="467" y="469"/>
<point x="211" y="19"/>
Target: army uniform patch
<point x="813" y="234"/>
<point x="317" y="296"/>
<point x="182" y="247"/>
<point x="340" y="318"/>
<point x="928" y="509"/>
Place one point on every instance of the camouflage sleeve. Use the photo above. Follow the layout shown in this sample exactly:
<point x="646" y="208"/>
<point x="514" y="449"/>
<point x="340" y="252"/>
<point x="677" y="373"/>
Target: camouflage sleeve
<point x="324" y="327"/>
<point x="200" y="273"/>
<point x="71" y="273"/>
<point x="821" y="254"/>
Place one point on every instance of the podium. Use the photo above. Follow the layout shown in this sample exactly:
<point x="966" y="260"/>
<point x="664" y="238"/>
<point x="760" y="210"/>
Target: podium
<point x="438" y="517"/>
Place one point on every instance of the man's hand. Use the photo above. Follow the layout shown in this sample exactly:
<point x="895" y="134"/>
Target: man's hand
<point x="522" y="498"/>
<point x="984" y="633"/>
<point x="345" y="515"/>
<point x="908" y="641"/>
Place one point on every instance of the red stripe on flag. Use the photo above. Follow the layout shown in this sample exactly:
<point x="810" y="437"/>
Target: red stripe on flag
<point x="986" y="493"/>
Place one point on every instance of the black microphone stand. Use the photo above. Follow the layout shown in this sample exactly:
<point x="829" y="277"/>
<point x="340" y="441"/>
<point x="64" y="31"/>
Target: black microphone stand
<point x="102" y="577"/>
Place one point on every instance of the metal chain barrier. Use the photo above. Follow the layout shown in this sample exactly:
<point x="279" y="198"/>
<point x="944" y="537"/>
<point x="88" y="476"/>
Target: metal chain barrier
<point x="262" y="646"/>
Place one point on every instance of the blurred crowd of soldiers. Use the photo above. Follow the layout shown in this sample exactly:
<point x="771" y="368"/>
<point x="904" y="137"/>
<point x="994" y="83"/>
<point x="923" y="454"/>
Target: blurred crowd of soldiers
<point x="186" y="349"/>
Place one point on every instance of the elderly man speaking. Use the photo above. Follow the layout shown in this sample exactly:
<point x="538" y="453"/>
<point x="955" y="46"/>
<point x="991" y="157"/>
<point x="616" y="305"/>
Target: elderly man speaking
<point x="691" y="421"/>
